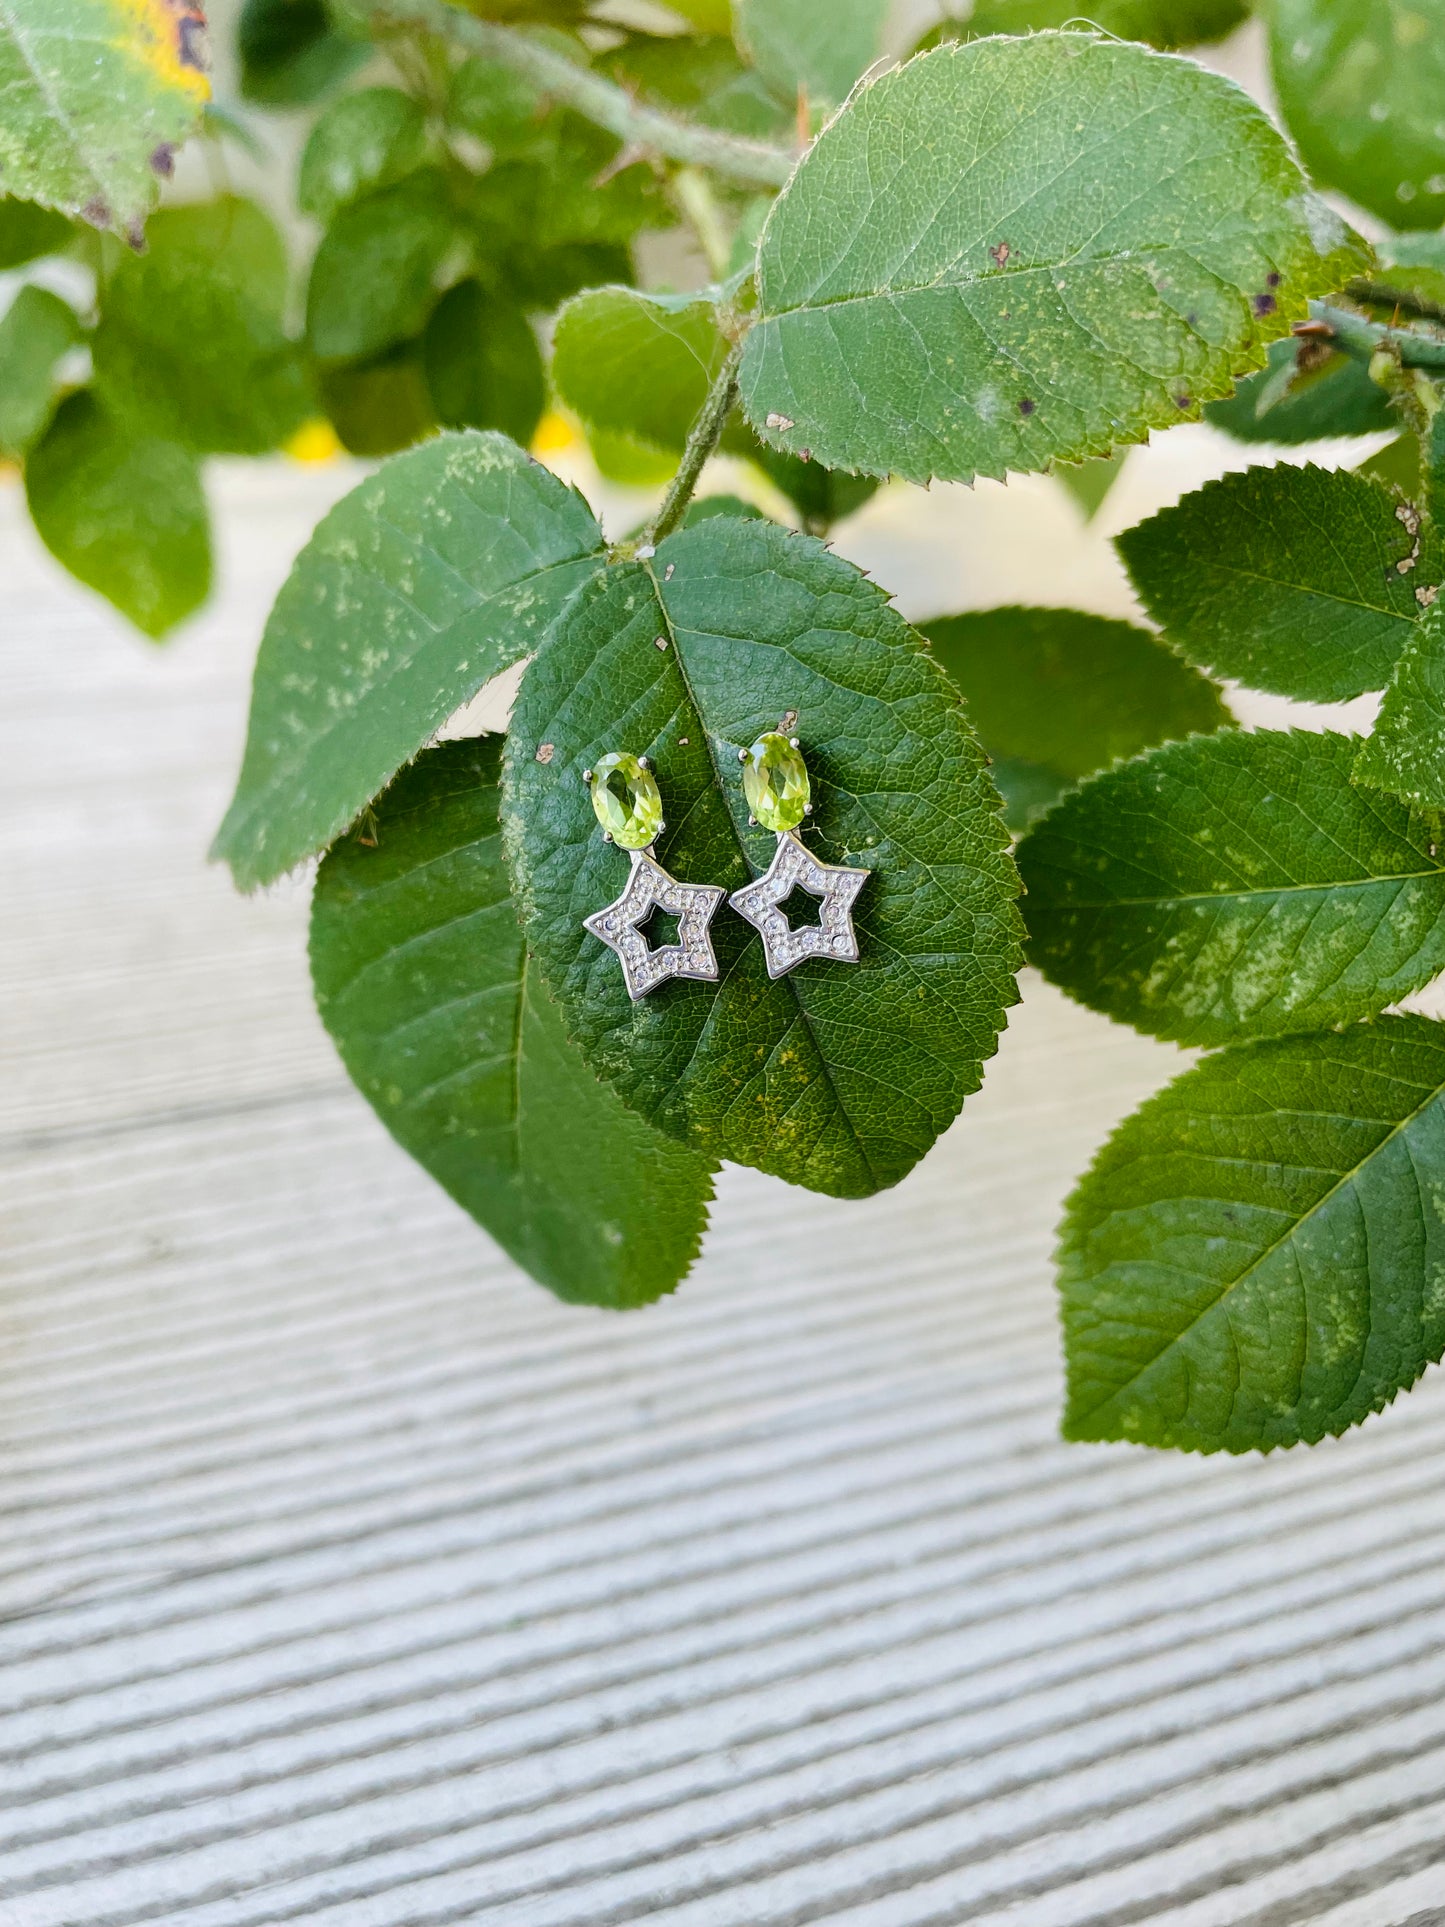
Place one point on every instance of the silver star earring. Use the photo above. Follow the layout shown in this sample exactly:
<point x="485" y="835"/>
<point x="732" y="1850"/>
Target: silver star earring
<point x="775" y="782"/>
<point x="628" y="804"/>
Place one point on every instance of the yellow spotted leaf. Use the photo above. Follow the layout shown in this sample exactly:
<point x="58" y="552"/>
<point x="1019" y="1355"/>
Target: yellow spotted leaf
<point x="97" y="96"/>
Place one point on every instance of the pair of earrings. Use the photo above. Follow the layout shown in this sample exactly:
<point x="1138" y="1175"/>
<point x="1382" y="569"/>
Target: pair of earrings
<point x="628" y="804"/>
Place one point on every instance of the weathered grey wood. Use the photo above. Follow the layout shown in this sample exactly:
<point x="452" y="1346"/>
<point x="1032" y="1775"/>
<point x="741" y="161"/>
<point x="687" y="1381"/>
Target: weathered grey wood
<point x="348" y="1579"/>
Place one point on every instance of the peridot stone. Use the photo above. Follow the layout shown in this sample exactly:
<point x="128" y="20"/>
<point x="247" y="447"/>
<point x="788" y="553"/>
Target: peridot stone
<point x="627" y="801"/>
<point x="775" y="782"/>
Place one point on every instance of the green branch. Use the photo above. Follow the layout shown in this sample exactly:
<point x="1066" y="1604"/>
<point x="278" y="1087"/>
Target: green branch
<point x="1362" y="339"/>
<point x="1381" y="292"/>
<point x="702" y="441"/>
<point x="596" y="99"/>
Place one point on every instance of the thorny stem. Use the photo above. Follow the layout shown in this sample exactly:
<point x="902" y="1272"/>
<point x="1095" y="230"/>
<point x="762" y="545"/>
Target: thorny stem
<point x="702" y="440"/>
<point x="1383" y="293"/>
<point x="593" y="97"/>
<point x="1362" y="339"/>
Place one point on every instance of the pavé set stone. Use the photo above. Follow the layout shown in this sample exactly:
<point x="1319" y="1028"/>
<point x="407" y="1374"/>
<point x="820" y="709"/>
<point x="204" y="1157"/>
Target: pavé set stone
<point x="628" y="805"/>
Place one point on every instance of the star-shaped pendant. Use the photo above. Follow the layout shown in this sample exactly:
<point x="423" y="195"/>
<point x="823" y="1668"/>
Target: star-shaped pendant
<point x="833" y="934"/>
<point x="619" y="926"/>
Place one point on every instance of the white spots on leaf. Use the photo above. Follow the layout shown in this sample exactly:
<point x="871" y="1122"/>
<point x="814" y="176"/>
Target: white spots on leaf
<point x="1325" y="228"/>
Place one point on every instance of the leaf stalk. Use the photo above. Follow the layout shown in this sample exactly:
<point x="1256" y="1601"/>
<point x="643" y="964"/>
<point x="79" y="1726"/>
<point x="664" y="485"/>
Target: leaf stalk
<point x="1362" y="339"/>
<point x="703" y="438"/>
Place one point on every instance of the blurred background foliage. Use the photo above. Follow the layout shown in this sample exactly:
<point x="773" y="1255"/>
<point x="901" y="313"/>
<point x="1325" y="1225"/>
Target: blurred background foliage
<point x="377" y="234"/>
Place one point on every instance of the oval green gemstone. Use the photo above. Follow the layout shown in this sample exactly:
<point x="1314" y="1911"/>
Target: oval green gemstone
<point x="627" y="801"/>
<point x="775" y="782"/>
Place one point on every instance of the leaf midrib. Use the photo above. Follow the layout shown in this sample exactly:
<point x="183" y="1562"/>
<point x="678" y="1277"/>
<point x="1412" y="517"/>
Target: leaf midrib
<point x="951" y="278"/>
<point x="1236" y="573"/>
<point x="1292" y="1230"/>
<point x="802" y="1011"/>
<point x="1247" y="896"/>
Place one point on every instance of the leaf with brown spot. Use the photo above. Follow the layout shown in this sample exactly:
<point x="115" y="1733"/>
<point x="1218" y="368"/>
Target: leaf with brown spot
<point x="892" y="338"/>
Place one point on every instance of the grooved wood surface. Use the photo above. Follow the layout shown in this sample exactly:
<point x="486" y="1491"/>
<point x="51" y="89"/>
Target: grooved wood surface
<point x="347" y="1579"/>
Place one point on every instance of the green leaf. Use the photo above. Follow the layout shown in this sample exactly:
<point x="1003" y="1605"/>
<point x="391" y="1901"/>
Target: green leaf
<point x="495" y="105"/>
<point x="557" y="210"/>
<point x="637" y="364"/>
<point x="705" y="507"/>
<point x="423" y="982"/>
<point x="1235" y="885"/>
<point x="28" y="231"/>
<point x="574" y="186"/>
<point x="1162" y="23"/>
<point x="624" y="459"/>
<point x="708" y="16"/>
<point x="1286" y="579"/>
<point x="981" y="264"/>
<point x="1413" y="251"/>
<point x="1397" y="466"/>
<point x="837" y="1077"/>
<point x="363" y="141"/>
<point x="122" y="511"/>
<point x="483" y="365"/>
<point x="98" y="94"/>
<point x="380" y="406"/>
<point x="1056" y="694"/>
<point x="291" y="53"/>
<point x="449" y="563"/>
<point x="1430" y="457"/>
<point x="373" y="282"/>
<point x="1335" y="396"/>
<point x="1090" y="482"/>
<point x="637" y="368"/>
<point x="1360" y="84"/>
<point x="1406" y="752"/>
<point x="38" y="330"/>
<point x="192" y="337"/>
<point x="1257" y="1256"/>
<point x="544" y="278"/>
<point x="798" y="45"/>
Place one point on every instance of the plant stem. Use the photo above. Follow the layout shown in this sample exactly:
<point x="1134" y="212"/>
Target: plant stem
<point x="593" y="97"/>
<point x="694" y="196"/>
<point x="702" y="440"/>
<point x="1355" y="336"/>
<point x="1383" y="293"/>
